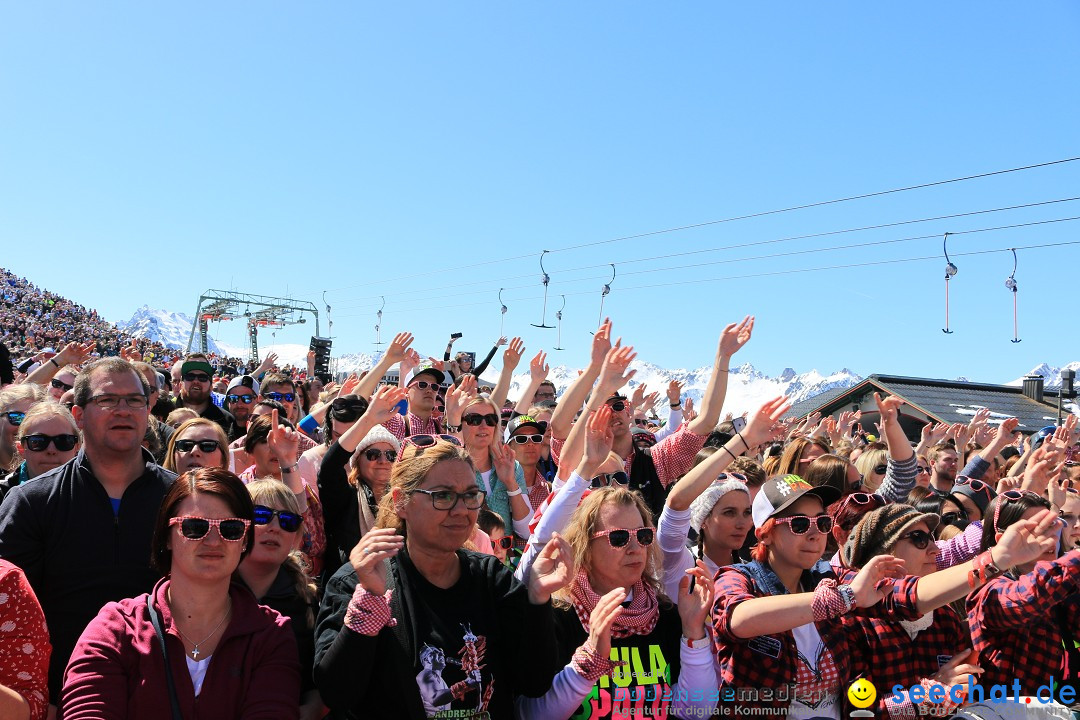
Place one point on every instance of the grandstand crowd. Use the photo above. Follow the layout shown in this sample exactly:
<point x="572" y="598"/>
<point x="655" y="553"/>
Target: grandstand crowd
<point x="186" y="536"/>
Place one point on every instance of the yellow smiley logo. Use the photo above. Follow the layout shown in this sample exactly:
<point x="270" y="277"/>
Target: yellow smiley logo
<point x="862" y="693"/>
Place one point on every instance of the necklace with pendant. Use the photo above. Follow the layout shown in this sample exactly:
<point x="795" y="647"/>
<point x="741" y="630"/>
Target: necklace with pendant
<point x="195" y="645"/>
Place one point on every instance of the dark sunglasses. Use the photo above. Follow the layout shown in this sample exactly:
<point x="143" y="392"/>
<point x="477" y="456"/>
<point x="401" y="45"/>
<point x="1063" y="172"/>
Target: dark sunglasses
<point x="620" y="537"/>
<point x="881" y="469"/>
<point x="246" y="399"/>
<point x="922" y="469"/>
<point x="287" y="521"/>
<point x="506" y="542"/>
<point x="617" y="406"/>
<point x="800" y="524"/>
<point x="207" y="446"/>
<point x="60" y="385"/>
<point x="606" y="479"/>
<point x="14" y="418"/>
<point x="424" y="385"/>
<point x="425" y="441"/>
<point x="525" y="439"/>
<point x="373" y="455"/>
<point x="475" y="420"/>
<point x="348" y="408"/>
<point x="196" y="377"/>
<point x="196" y="528"/>
<point x="38" y="442"/>
<point x="919" y="538"/>
<point x="280" y="397"/>
<point x="641" y="423"/>
<point x="952" y="518"/>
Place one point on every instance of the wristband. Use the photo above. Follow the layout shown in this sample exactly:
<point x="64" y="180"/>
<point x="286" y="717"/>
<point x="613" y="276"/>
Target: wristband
<point x="513" y="493"/>
<point x="53" y="361"/>
<point x="291" y="469"/>
<point x="676" y="406"/>
<point x="589" y="664"/>
<point x="725" y="449"/>
<point x="452" y="428"/>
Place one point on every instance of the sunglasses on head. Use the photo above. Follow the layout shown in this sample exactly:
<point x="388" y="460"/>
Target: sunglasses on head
<point x="287" y="521"/>
<point x="476" y="420"/>
<point x="525" y="439"/>
<point x="246" y="399"/>
<point x="976" y="485"/>
<point x="620" y="537"/>
<point x="280" y="397"/>
<point x="39" y="442"/>
<point x="425" y="441"/>
<point x="196" y="377"/>
<point x="196" y="528"/>
<point x="800" y="524"/>
<point x="424" y="385"/>
<point x="207" y="446"/>
<point x="608" y="479"/>
<point x="60" y="385"/>
<point x="14" y="418"/>
<point x="1011" y="496"/>
<point x="506" y="542"/>
<point x="861" y="498"/>
<point x="373" y="455"/>
<point x="919" y="538"/>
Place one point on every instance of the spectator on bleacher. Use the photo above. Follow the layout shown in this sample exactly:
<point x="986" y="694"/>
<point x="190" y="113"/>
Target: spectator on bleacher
<point x="15" y="402"/>
<point x="196" y="374"/>
<point x="47" y="438"/>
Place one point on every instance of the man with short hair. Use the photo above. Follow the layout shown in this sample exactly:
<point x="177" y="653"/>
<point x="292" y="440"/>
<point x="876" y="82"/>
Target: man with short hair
<point x="943" y="462"/>
<point x="82" y="532"/>
<point x="196" y="373"/>
<point x="422" y="386"/>
<point x="544" y="393"/>
<point x="240" y="398"/>
<point x="280" y="387"/>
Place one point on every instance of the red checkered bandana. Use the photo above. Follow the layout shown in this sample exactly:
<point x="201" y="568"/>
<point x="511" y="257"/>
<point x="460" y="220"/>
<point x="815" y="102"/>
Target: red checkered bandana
<point x="637" y="618"/>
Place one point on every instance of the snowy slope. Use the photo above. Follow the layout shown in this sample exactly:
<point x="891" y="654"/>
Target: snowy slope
<point x="1051" y="375"/>
<point x="169" y="328"/>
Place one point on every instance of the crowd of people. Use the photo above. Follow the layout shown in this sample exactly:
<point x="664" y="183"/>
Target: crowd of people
<point x="181" y="540"/>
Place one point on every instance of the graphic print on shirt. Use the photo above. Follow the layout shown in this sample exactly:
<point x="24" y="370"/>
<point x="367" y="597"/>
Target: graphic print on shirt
<point x="816" y="681"/>
<point x="638" y="687"/>
<point x="466" y="698"/>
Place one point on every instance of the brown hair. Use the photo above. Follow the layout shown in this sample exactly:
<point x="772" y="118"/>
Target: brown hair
<point x="208" y="481"/>
<point x="223" y="442"/>
<point x="751" y="468"/>
<point x="793" y="452"/>
<point x="258" y="430"/>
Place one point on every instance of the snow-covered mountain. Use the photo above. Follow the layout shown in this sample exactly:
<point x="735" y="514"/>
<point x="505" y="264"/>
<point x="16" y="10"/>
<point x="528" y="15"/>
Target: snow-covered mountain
<point x="169" y="328"/>
<point x="1051" y="375"/>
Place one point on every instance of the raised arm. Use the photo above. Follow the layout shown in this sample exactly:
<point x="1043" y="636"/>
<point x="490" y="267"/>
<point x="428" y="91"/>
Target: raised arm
<point x="614" y="375"/>
<point x="538" y="372"/>
<point x="394" y="354"/>
<point x="574" y="397"/>
<point x="511" y="358"/>
<point x="732" y="338"/>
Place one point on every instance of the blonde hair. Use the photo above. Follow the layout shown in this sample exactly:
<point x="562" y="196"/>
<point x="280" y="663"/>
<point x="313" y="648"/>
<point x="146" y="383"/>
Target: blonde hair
<point x="866" y="464"/>
<point x="482" y="400"/>
<point x="583" y="523"/>
<point x="223" y="441"/>
<point x="409" y="474"/>
<point x="46" y="409"/>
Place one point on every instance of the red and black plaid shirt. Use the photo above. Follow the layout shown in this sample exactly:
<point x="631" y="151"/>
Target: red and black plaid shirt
<point x="893" y="658"/>
<point x="771" y="661"/>
<point x="1014" y="626"/>
<point x="416" y="426"/>
<point x="673" y="456"/>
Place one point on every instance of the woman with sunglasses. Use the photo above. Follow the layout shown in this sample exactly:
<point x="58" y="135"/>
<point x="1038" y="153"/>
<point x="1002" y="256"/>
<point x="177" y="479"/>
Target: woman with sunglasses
<point x="615" y="607"/>
<point x="525" y="435"/>
<point x="413" y="626"/>
<point x="273" y="445"/>
<point x="274" y="573"/>
<point x="15" y="402"/>
<point x="1020" y="619"/>
<point x="714" y="503"/>
<point x="498" y="474"/>
<point x="786" y="619"/>
<point x="195" y="444"/>
<point x="47" y="438"/>
<point x="197" y="640"/>
<point x="355" y="473"/>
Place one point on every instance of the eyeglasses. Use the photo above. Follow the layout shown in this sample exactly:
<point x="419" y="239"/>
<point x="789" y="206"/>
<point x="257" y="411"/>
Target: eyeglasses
<point x="617" y="406"/>
<point x="60" y="385"/>
<point x="39" y="442"/>
<point x="919" y="538"/>
<point x="196" y="528"/>
<point x="425" y="441"/>
<point x="15" y="418"/>
<point x="952" y="518"/>
<point x="111" y="402"/>
<point x="506" y="542"/>
<point x="525" y="439"/>
<point x="881" y="469"/>
<point x="207" y="446"/>
<point x="246" y="399"/>
<point x="448" y="499"/>
<point x="373" y="455"/>
<point x="424" y="385"/>
<point x="620" y="537"/>
<point x="280" y="397"/>
<point x="475" y="419"/>
<point x="196" y="377"/>
<point x="541" y="395"/>
<point x="800" y="524"/>
<point x="287" y="521"/>
<point x="607" y="479"/>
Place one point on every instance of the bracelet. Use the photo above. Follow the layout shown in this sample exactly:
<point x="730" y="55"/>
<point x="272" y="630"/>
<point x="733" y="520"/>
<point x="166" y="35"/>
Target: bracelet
<point x="452" y="428"/>
<point x="830" y="601"/>
<point x="513" y="493"/>
<point x="292" y="468"/>
<point x="725" y="449"/>
<point x="745" y="444"/>
<point x="675" y="406"/>
<point x="53" y="361"/>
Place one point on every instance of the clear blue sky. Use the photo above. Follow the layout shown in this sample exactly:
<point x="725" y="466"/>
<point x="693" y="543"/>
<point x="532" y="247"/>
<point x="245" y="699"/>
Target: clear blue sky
<point x="149" y="153"/>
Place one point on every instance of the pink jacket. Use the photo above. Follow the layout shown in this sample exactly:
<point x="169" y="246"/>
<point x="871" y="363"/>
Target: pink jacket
<point x="117" y="671"/>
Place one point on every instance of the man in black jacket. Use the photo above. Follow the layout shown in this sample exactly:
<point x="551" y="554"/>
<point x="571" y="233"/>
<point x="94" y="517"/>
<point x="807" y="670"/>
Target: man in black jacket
<point x="82" y="532"/>
<point x="196" y="377"/>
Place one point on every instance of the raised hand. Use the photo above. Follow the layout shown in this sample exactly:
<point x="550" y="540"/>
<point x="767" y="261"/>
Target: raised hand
<point x="398" y="347"/>
<point x="439" y="365"/>
<point x="283" y="441"/>
<point x="873" y="582"/>
<point x="368" y="557"/>
<point x="602" y="618"/>
<point x="614" y="373"/>
<point x="761" y="421"/>
<point x="538" y="367"/>
<point x="650" y="400"/>
<point x="598" y="440"/>
<point x="674" y="392"/>
<point x="734" y="336"/>
<point x="75" y="353"/>
<point x="383" y="404"/>
<point x="694" y="605"/>
<point x="512" y="354"/>
<point x="688" y="411"/>
<point x="552" y="570"/>
<point x="501" y="341"/>
<point x="349" y="386"/>
<point x="601" y="343"/>
<point x="1027" y="540"/>
<point x="458" y="397"/>
<point x="637" y="398"/>
<point x="888" y="408"/>
<point x="502" y="458"/>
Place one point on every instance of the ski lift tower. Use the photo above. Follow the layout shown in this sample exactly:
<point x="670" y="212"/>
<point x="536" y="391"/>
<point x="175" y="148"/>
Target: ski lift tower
<point x="258" y="310"/>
